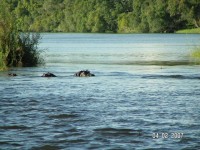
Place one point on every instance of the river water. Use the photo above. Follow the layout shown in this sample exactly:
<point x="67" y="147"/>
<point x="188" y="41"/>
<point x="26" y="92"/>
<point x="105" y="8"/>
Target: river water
<point x="145" y="95"/>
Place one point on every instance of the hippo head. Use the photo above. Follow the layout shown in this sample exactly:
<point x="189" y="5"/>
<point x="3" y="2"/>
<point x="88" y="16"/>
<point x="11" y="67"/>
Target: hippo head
<point x="48" y="74"/>
<point x="84" y="73"/>
<point x="12" y="74"/>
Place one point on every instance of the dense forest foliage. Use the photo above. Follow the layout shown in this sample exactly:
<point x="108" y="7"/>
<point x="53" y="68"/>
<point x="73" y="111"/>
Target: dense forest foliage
<point x="123" y="16"/>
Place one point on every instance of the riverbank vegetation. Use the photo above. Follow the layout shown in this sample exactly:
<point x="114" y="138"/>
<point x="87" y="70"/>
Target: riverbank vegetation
<point x="196" y="52"/>
<point x="118" y="16"/>
<point x="16" y="48"/>
<point x="195" y="55"/>
<point x="189" y="31"/>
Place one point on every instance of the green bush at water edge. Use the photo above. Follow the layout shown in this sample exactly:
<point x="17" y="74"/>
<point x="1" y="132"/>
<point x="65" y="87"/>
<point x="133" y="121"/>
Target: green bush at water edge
<point x="24" y="53"/>
<point x="16" y="49"/>
<point x="195" y="55"/>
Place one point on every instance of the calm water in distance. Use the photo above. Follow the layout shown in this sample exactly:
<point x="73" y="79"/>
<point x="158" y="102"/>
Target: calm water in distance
<point x="145" y="95"/>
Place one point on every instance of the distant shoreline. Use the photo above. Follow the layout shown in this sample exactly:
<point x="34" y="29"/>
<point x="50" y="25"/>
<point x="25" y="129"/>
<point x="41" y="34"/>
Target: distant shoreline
<point x="182" y="31"/>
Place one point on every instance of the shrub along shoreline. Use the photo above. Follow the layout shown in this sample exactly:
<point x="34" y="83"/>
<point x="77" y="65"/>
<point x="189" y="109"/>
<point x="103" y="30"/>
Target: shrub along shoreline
<point x="20" y="50"/>
<point x="16" y="49"/>
<point x="195" y="54"/>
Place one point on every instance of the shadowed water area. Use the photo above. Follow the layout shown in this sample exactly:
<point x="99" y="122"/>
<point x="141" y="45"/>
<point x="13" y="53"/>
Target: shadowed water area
<point x="144" y="84"/>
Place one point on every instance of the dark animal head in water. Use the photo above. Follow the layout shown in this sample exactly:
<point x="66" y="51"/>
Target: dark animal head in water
<point x="12" y="74"/>
<point x="48" y="74"/>
<point x="84" y="73"/>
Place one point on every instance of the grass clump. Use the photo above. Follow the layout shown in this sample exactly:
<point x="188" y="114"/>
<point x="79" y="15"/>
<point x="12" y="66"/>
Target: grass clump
<point x="195" y="55"/>
<point x="189" y="31"/>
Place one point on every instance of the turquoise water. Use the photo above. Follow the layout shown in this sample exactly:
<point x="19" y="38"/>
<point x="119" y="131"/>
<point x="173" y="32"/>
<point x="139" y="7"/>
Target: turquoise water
<point x="145" y="94"/>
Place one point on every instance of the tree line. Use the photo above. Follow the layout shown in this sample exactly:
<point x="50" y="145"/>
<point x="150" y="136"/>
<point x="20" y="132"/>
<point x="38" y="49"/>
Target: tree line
<point x="117" y="16"/>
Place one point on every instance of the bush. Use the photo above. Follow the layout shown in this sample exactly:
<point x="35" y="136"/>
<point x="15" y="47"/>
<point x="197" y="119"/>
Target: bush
<point x="20" y="50"/>
<point x="28" y="45"/>
<point x="16" y="49"/>
<point x="195" y="54"/>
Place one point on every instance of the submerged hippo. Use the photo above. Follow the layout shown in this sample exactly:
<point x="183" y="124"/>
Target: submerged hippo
<point x="48" y="74"/>
<point x="84" y="73"/>
<point x="12" y="74"/>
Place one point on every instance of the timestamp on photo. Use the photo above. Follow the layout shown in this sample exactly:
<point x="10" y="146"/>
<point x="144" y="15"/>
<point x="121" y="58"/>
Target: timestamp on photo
<point x="165" y="135"/>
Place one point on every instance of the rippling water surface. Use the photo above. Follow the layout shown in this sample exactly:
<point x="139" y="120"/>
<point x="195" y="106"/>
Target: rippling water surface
<point x="145" y="95"/>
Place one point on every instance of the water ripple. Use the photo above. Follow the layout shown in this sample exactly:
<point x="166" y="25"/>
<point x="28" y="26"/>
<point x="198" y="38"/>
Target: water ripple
<point x="118" y="132"/>
<point x="14" y="127"/>
<point x="176" y="76"/>
<point x="64" y="116"/>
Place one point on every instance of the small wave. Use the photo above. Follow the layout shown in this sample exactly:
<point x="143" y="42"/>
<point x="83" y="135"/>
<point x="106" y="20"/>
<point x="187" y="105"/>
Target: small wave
<point x="187" y="139"/>
<point x="77" y="141"/>
<point x="10" y="143"/>
<point x="15" y="127"/>
<point x="120" y="74"/>
<point x="170" y="76"/>
<point x="118" y="132"/>
<point x="63" y="116"/>
<point x="4" y="142"/>
<point x="46" y="147"/>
